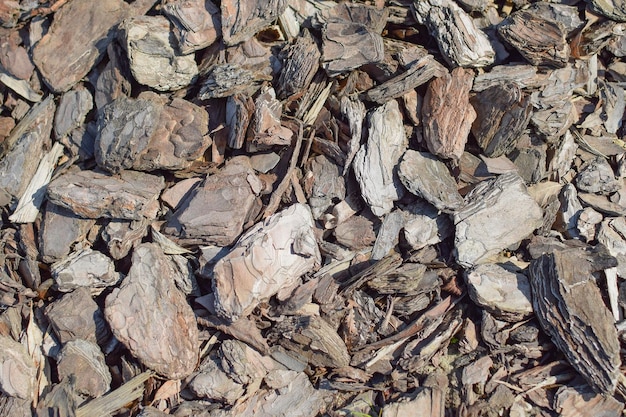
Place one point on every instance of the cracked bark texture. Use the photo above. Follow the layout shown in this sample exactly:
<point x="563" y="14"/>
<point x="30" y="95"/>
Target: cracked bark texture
<point x="152" y="317"/>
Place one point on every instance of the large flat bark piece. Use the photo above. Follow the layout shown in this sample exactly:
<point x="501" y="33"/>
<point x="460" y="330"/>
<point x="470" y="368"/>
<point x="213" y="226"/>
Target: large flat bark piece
<point x="80" y="32"/>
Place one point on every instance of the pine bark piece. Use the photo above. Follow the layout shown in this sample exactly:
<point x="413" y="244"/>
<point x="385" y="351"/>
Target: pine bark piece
<point x="597" y="176"/>
<point x="147" y="134"/>
<point x="353" y="110"/>
<point x="59" y="231"/>
<point x="540" y="40"/>
<point x="22" y="150"/>
<point x="581" y="401"/>
<point x="130" y="195"/>
<point x="124" y="130"/>
<point x="85" y="268"/>
<point x="85" y="361"/>
<point x="503" y="112"/>
<point x="460" y="42"/>
<point x="121" y="236"/>
<point x="612" y="234"/>
<point x="71" y="111"/>
<point x="571" y="310"/>
<point x="300" y="64"/>
<point x="114" y="80"/>
<point x="28" y="206"/>
<point x="77" y="316"/>
<point x="79" y="34"/>
<point x="225" y="80"/>
<point x="613" y="9"/>
<point x="216" y="210"/>
<point x="241" y="19"/>
<point x="497" y="214"/>
<point x="244" y="364"/>
<point x="290" y="393"/>
<point x="426" y="176"/>
<point x="197" y="23"/>
<point x="151" y="316"/>
<point x="351" y="37"/>
<point x="239" y="111"/>
<point x="447" y="114"/>
<point x="13" y="57"/>
<point x="267" y="129"/>
<point x="375" y="163"/>
<point x="17" y="370"/>
<point x="323" y="184"/>
<point x="420" y="72"/>
<point x="503" y="293"/>
<point x="213" y="383"/>
<point x="311" y="337"/>
<point x="356" y="233"/>
<point x="9" y="13"/>
<point x="153" y="59"/>
<point x="180" y="137"/>
<point x="523" y="75"/>
<point x="425" y="226"/>
<point x="261" y="264"/>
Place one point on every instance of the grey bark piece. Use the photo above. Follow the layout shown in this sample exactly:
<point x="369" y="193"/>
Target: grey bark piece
<point x="375" y="163"/>
<point x="85" y="268"/>
<point x="426" y="176"/>
<point x="531" y="163"/>
<point x="313" y="338"/>
<point x="327" y="186"/>
<point x="351" y="37"/>
<point x="571" y="310"/>
<point x="613" y="104"/>
<point x="498" y="213"/>
<point x="388" y="234"/>
<point x="79" y="34"/>
<point x="295" y="397"/>
<point x="71" y="111"/>
<point x="613" y="9"/>
<point x="300" y="65"/>
<point x="215" y="384"/>
<point x="59" y="231"/>
<point x="85" y="361"/>
<point x="146" y="134"/>
<point x="13" y="406"/>
<point x="77" y="316"/>
<point x="152" y="318"/>
<point x="460" y="42"/>
<point x="523" y="75"/>
<point x="420" y="72"/>
<point x="540" y="39"/>
<point x="130" y="195"/>
<point x="503" y="293"/>
<point x="239" y="110"/>
<point x="225" y="80"/>
<point x="241" y="19"/>
<point x="114" y="80"/>
<point x="354" y="111"/>
<point x="243" y="364"/>
<point x="17" y="370"/>
<point x="216" y="210"/>
<point x="612" y="234"/>
<point x="587" y="224"/>
<point x="153" y="60"/>
<point x="22" y="150"/>
<point x="425" y="226"/>
<point x="124" y="130"/>
<point x="597" y="176"/>
<point x="122" y="235"/>
<point x="447" y="114"/>
<point x="261" y="264"/>
<point x="503" y="112"/>
<point x="197" y="23"/>
<point x="570" y="210"/>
